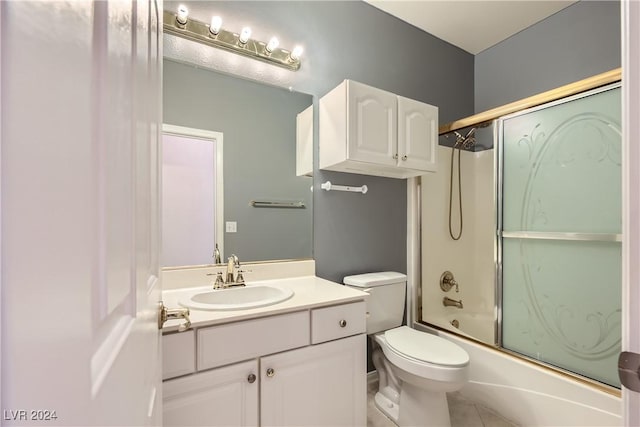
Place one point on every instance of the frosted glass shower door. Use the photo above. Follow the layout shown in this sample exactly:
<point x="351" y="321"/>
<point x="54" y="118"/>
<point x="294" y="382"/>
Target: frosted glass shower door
<point x="561" y="225"/>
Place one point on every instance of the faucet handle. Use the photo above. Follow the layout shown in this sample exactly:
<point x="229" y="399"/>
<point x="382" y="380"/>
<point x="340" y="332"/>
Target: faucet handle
<point x="240" y="277"/>
<point x="447" y="282"/>
<point x="219" y="283"/>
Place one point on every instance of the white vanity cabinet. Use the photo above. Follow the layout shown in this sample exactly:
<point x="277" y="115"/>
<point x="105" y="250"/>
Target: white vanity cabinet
<point x="226" y="396"/>
<point x="301" y="368"/>
<point x="373" y="132"/>
<point x="319" y="385"/>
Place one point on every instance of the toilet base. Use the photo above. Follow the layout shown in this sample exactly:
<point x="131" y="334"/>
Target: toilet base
<point x="420" y="407"/>
<point x="387" y="406"/>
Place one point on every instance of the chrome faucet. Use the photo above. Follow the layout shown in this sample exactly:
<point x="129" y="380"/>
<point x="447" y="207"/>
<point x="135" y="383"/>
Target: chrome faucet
<point x="232" y="263"/>
<point x="230" y="282"/>
<point x="448" y="302"/>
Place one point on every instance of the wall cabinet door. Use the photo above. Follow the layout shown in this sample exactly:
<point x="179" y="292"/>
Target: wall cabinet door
<point x="372" y="125"/>
<point x="369" y="131"/>
<point x="320" y="385"/>
<point x="417" y="135"/>
<point x="226" y="396"/>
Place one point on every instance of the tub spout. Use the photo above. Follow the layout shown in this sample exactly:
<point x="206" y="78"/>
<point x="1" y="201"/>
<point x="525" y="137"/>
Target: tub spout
<point x="448" y="302"/>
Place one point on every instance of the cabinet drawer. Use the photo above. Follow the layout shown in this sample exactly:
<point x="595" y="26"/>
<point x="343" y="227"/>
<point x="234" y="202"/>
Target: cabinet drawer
<point x="178" y="354"/>
<point x="337" y="322"/>
<point x="225" y="344"/>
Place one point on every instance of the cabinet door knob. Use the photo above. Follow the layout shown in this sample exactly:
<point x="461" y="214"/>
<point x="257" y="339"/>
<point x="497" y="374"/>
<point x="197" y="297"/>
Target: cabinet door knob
<point x="342" y="323"/>
<point x="270" y="372"/>
<point x="404" y="157"/>
<point x="251" y="378"/>
<point x="395" y="156"/>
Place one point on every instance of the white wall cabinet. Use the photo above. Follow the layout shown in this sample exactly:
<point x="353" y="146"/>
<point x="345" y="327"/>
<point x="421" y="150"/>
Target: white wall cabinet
<point x="287" y="381"/>
<point x="373" y="132"/>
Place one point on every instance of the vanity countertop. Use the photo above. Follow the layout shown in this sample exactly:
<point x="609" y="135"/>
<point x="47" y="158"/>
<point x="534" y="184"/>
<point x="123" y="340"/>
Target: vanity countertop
<point x="309" y="292"/>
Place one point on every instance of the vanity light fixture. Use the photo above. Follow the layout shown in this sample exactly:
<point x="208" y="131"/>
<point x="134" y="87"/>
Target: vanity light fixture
<point x="178" y="24"/>
<point x="216" y="24"/>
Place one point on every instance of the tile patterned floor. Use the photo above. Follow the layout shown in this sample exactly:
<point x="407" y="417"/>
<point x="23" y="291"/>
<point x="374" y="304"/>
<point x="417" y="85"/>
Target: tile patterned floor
<point x="463" y="413"/>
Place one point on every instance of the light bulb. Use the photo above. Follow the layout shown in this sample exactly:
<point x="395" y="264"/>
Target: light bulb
<point x="244" y="35"/>
<point x="273" y="44"/>
<point x="296" y="53"/>
<point x="216" y="24"/>
<point x="183" y="14"/>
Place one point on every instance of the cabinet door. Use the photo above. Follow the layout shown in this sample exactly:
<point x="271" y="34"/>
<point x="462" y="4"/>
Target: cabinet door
<point x="372" y="125"/>
<point x="417" y="135"/>
<point x="220" y="397"/>
<point x="320" y="385"/>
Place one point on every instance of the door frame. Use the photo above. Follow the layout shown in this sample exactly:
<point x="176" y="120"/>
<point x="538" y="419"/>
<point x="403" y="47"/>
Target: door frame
<point x="630" y="17"/>
<point x="1" y="404"/>
<point x="218" y="140"/>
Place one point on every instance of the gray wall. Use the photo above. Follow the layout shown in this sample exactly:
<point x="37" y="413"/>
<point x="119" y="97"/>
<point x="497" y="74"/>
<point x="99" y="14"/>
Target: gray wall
<point x="259" y="127"/>
<point x="347" y="39"/>
<point x="577" y="42"/>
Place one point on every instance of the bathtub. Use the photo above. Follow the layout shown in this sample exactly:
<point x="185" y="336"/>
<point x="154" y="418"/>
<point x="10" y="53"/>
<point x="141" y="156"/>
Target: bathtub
<point x="532" y="395"/>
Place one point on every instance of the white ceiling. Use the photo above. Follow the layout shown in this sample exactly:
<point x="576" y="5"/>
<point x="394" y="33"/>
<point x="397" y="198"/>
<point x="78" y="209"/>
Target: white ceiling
<point x="471" y="25"/>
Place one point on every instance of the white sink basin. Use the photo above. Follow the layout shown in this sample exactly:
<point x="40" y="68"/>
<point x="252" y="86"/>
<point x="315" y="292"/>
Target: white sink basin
<point x="237" y="298"/>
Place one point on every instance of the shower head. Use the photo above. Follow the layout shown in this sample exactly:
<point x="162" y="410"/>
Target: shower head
<point x="467" y="141"/>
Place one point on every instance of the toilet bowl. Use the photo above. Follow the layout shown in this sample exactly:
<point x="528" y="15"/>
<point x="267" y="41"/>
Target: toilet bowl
<point x="415" y="369"/>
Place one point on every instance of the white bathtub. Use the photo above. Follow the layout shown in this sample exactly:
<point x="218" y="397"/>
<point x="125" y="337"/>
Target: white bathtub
<point x="530" y="395"/>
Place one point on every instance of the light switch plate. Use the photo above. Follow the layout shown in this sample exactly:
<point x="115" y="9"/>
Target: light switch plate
<point x="231" y="226"/>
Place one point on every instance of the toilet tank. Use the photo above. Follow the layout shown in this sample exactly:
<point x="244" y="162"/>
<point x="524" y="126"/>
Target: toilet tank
<point x="386" y="300"/>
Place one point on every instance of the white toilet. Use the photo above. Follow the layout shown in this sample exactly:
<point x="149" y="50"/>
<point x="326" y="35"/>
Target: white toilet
<point x="415" y="369"/>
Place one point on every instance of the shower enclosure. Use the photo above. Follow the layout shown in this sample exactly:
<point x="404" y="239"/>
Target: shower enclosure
<point x="538" y="263"/>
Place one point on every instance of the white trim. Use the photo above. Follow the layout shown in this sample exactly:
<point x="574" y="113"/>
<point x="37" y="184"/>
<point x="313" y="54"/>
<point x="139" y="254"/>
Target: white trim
<point x="218" y="137"/>
<point x="414" y="238"/>
<point x="1" y="404"/>
<point x="630" y="15"/>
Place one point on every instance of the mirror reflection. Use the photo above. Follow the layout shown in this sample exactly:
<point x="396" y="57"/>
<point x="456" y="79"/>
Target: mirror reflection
<point x="256" y="126"/>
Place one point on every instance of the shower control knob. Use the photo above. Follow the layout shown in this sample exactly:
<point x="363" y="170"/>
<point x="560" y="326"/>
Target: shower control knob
<point x="342" y="323"/>
<point x="447" y="282"/>
<point x="251" y="378"/>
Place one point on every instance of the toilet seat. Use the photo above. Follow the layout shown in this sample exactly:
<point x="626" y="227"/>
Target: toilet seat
<point x="445" y="372"/>
<point x="425" y="347"/>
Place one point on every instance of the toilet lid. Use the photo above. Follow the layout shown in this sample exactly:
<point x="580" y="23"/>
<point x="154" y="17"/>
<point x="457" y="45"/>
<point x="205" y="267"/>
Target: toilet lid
<point x="426" y="347"/>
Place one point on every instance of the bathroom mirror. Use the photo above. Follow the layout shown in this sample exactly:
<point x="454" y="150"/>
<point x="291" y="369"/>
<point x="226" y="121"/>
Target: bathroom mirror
<point x="258" y="127"/>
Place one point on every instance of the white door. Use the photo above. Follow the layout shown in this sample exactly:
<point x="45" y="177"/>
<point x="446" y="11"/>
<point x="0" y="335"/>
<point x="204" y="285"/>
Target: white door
<point x="81" y="95"/>
<point x="226" y="396"/>
<point x="417" y="135"/>
<point x="631" y="197"/>
<point x="320" y="385"/>
<point x="372" y="125"/>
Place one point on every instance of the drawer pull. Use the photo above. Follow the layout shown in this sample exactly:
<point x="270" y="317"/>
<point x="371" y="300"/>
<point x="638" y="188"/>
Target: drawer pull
<point x="251" y="378"/>
<point x="342" y="323"/>
<point x="270" y="372"/>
